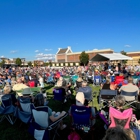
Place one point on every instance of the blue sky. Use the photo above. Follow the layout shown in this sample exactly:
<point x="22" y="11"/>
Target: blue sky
<point x="35" y="29"/>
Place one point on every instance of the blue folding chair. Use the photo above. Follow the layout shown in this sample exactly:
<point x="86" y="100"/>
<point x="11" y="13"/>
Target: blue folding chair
<point x="82" y="121"/>
<point x="59" y="94"/>
<point x="97" y="79"/>
<point x="112" y="78"/>
<point x="107" y="98"/>
<point x="7" y="110"/>
<point x="59" y="98"/>
<point x="50" y="80"/>
<point x="87" y="92"/>
<point x="81" y="117"/>
<point x="134" y="95"/>
<point x="23" y="112"/>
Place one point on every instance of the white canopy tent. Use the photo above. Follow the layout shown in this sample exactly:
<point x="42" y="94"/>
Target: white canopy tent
<point x="110" y="57"/>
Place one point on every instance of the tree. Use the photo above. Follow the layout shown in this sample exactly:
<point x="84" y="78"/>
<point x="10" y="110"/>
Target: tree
<point x="30" y="63"/>
<point x="139" y="61"/>
<point x="50" y="64"/>
<point x="2" y="63"/>
<point x="18" y="61"/>
<point x="124" y="53"/>
<point x="46" y="64"/>
<point x="36" y="63"/>
<point x="84" y="58"/>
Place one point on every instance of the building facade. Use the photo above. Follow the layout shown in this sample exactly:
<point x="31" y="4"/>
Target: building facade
<point x="74" y="57"/>
<point x="12" y="61"/>
<point x="66" y="55"/>
<point x="135" y="56"/>
<point x="61" y="55"/>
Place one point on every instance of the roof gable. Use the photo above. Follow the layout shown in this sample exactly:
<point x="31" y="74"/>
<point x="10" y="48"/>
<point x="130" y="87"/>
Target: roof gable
<point x="61" y="51"/>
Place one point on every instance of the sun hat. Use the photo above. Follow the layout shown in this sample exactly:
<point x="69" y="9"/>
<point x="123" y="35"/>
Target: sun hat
<point x="26" y="91"/>
<point x="79" y="79"/>
<point x="80" y="99"/>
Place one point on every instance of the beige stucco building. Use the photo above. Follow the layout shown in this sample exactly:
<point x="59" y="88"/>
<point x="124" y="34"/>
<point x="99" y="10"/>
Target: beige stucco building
<point x="135" y="56"/>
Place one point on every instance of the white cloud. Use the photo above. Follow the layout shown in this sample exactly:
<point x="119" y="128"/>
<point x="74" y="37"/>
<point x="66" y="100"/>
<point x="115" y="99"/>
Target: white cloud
<point x="36" y="51"/>
<point x="127" y="46"/>
<point x="42" y="56"/>
<point x="13" y="51"/>
<point x="2" y="56"/>
<point x="48" y="49"/>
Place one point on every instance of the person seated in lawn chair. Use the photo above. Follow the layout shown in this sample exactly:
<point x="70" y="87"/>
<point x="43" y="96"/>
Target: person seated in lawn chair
<point x="57" y="75"/>
<point x="78" y="83"/>
<point x="33" y="82"/>
<point x="108" y="84"/>
<point x="7" y="92"/>
<point x="130" y="87"/>
<point x="53" y="116"/>
<point x="26" y="93"/>
<point x="121" y="116"/>
<point x="87" y="90"/>
<point x="90" y="77"/>
<point x="62" y="83"/>
<point x="82" y="110"/>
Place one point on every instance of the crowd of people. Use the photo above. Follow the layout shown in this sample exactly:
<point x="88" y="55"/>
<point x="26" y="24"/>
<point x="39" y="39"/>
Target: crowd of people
<point x="107" y="76"/>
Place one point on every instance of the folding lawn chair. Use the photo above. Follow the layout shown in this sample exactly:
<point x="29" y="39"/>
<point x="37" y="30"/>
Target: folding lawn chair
<point x="133" y="95"/>
<point x="119" y="80"/>
<point x="23" y="111"/>
<point x="67" y="79"/>
<point x="74" y="78"/>
<point x="112" y="78"/>
<point x="120" y="118"/>
<point x="90" y="79"/>
<point x="50" y="80"/>
<point x="7" y="110"/>
<point x="107" y="98"/>
<point x="135" y="79"/>
<point x="81" y="119"/>
<point x="40" y="127"/>
<point x="87" y="92"/>
<point x="97" y="79"/>
<point x="59" y="94"/>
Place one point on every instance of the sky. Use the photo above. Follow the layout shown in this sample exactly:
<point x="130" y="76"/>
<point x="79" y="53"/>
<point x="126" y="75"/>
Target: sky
<point x="35" y="29"/>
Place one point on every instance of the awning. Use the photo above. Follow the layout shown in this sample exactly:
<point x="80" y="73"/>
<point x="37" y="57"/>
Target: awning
<point x="110" y="56"/>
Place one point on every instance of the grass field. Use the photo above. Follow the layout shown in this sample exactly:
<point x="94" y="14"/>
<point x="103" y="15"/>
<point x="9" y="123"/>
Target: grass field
<point x="17" y="132"/>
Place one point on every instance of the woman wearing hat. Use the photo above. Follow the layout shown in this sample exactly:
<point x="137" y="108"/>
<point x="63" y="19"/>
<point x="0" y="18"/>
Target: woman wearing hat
<point x="79" y="83"/>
